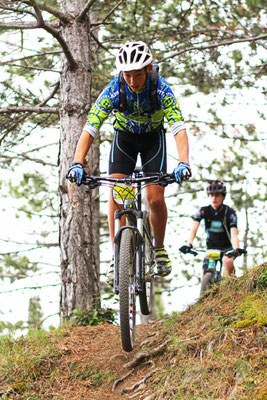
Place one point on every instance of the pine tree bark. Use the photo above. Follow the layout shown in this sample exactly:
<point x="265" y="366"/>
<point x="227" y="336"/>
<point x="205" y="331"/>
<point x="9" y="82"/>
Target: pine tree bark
<point x="79" y="206"/>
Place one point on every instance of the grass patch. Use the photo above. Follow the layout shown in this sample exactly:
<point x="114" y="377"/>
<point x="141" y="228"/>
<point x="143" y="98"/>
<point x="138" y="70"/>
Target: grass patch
<point x="26" y="360"/>
<point x="217" y="345"/>
<point x="91" y="374"/>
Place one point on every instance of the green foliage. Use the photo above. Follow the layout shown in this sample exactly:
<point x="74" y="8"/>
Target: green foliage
<point x="95" y="317"/>
<point x="35" y="312"/>
<point x="16" y="267"/>
<point x="34" y="188"/>
<point x="11" y="328"/>
<point x="175" y="29"/>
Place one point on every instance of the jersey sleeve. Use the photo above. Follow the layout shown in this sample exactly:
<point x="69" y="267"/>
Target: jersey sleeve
<point x="199" y="215"/>
<point x="106" y="102"/>
<point x="170" y="106"/>
<point x="232" y="218"/>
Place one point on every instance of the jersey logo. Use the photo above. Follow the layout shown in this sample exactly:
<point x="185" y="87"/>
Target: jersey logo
<point x="216" y="226"/>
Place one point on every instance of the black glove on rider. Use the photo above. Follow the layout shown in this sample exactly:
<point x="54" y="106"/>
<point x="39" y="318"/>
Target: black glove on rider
<point x="186" y="249"/>
<point x="235" y="253"/>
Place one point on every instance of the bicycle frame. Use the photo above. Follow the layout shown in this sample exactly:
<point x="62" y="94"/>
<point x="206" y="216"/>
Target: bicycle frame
<point x="214" y="256"/>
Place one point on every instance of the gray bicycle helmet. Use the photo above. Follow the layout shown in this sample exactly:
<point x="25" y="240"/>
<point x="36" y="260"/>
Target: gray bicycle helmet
<point x="133" y="55"/>
<point x="216" y="187"/>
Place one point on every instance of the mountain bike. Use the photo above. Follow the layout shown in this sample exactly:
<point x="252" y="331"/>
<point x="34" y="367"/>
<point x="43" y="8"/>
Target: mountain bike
<point x="212" y="266"/>
<point x="133" y="243"/>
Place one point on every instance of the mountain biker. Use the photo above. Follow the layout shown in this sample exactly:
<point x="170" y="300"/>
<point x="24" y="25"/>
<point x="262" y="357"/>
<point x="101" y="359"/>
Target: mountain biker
<point x="137" y="129"/>
<point x="220" y="225"/>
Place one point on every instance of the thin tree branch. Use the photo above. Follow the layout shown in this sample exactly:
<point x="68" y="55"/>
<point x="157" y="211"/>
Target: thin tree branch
<point x="54" y="11"/>
<point x="111" y="12"/>
<point x="37" y="110"/>
<point x="11" y="25"/>
<point x="27" y="57"/>
<point x="51" y="95"/>
<point x="223" y="43"/>
<point x="24" y="157"/>
<point x="85" y="10"/>
<point x="55" y="33"/>
<point x="100" y="44"/>
<point x="33" y="68"/>
<point x="30" y="288"/>
<point x="40" y="245"/>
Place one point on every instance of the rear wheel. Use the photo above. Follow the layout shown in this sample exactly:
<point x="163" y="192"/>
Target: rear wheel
<point x="127" y="289"/>
<point x="146" y="297"/>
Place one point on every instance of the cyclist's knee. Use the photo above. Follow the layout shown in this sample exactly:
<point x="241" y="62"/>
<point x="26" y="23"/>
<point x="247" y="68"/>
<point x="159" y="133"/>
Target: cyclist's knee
<point x="156" y="201"/>
<point x="228" y="264"/>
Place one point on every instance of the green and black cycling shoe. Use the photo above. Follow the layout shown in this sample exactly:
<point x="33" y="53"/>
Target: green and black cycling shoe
<point x="162" y="261"/>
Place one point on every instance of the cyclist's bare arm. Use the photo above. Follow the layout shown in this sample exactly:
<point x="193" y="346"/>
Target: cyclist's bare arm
<point x="234" y="237"/>
<point x="83" y="147"/>
<point x="193" y="232"/>
<point x="181" y="140"/>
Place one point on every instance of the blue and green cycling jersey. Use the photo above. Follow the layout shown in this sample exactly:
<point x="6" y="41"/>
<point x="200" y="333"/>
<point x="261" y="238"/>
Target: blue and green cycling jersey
<point x="139" y="117"/>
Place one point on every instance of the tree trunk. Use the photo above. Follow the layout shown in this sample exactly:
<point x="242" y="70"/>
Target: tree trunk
<point x="79" y="206"/>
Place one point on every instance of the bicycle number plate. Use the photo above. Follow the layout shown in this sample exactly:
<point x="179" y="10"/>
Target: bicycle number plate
<point x="215" y="254"/>
<point x="123" y="192"/>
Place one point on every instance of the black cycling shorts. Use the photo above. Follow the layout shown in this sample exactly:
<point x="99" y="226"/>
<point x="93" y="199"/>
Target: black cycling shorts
<point x="126" y="146"/>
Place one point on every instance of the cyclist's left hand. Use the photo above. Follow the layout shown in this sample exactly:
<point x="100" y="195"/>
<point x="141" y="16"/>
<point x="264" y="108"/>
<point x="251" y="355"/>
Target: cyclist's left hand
<point x="182" y="171"/>
<point x="235" y="253"/>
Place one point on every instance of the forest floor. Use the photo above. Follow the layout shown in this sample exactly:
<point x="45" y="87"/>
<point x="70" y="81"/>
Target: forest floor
<point x="213" y="350"/>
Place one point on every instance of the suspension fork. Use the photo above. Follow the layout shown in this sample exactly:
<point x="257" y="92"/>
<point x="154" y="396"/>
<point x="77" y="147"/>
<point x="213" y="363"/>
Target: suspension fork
<point x="139" y="247"/>
<point x="139" y="252"/>
<point x="117" y="226"/>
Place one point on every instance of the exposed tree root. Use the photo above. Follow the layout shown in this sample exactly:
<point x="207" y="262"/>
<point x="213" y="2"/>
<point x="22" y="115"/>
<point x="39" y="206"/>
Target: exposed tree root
<point x="144" y="355"/>
<point x="137" y="384"/>
<point x="115" y="384"/>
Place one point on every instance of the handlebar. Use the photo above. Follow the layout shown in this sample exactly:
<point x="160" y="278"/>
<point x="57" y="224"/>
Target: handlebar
<point x="193" y="252"/>
<point x="160" y="178"/>
<point x="231" y="253"/>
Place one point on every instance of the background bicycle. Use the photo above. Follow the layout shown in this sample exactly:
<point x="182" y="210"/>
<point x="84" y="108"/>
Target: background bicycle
<point x="133" y="259"/>
<point x="212" y="265"/>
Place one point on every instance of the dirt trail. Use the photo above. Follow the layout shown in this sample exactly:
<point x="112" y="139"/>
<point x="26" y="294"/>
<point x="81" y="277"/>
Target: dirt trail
<point x="98" y="347"/>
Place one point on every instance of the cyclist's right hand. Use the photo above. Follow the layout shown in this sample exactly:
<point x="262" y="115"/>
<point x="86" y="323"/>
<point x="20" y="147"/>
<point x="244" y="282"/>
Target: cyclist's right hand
<point x="75" y="173"/>
<point x="186" y="248"/>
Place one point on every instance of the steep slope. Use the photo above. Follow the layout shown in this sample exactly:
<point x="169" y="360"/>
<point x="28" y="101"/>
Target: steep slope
<point x="213" y="350"/>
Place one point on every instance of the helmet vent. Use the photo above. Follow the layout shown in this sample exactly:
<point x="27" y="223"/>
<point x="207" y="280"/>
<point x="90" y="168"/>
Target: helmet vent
<point x="133" y="56"/>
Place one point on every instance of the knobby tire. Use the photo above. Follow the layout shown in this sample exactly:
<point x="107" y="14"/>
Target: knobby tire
<point x="127" y="295"/>
<point x="206" y="283"/>
<point x="146" y="297"/>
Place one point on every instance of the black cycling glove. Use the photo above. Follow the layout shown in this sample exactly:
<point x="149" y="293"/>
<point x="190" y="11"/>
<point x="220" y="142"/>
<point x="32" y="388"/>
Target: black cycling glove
<point x="186" y="248"/>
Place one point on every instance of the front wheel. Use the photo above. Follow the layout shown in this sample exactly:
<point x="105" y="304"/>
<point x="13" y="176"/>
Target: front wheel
<point x="127" y="288"/>
<point x="206" y="283"/>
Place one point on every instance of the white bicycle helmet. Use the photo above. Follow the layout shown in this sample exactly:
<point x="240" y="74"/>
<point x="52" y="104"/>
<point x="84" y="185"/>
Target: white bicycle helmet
<point x="133" y="55"/>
